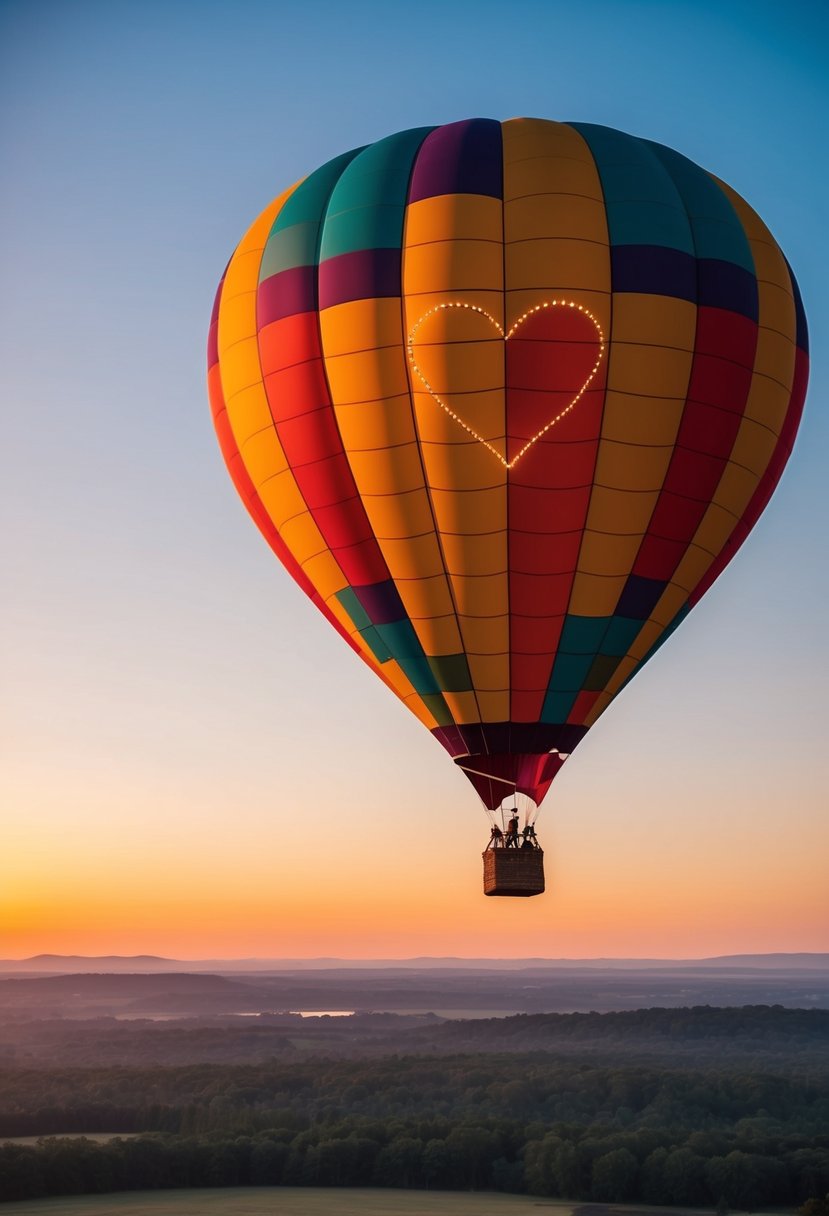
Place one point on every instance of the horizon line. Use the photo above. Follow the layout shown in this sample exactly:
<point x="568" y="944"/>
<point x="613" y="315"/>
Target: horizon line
<point x="428" y="957"/>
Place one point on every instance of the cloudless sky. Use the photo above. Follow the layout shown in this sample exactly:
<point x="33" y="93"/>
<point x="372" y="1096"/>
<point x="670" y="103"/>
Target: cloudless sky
<point x="178" y="719"/>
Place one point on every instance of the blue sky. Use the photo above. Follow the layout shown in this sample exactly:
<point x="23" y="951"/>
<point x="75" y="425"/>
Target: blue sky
<point x="169" y="685"/>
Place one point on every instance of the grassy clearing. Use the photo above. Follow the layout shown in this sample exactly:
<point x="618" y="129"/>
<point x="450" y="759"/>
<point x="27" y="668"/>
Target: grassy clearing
<point x="290" y="1201"/>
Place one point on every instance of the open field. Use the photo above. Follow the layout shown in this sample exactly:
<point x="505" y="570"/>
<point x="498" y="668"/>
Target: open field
<point x="292" y="1201"/>
<point x="306" y="1201"/>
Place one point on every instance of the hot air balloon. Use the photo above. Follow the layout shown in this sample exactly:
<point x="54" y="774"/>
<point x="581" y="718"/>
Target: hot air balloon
<point x="505" y="399"/>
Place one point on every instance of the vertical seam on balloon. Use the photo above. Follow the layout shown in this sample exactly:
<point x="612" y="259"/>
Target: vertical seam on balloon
<point x="506" y="429"/>
<point x="601" y="642"/>
<point x="288" y="193"/>
<point x="254" y="505"/>
<point x="320" y="602"/>
<point x="797" y="296"/>
<point x="670" y="583"/>
<point x="762" y="487"/>
<point x="324" y="368"/>
<point x="372" y="663"/>
<point x="406" y="193"/>
<point x="549" y="654"/>
<point x="415" y="428"/>
<point x="419" y="695"/>
<point x="609" y="343"/>
<point x="737" y="523"/>
<point x="799" y="315"/>
<point x="270" y="410"/>
<point x="646" y="531"/>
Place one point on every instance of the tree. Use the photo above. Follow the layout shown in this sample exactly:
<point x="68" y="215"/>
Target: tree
<point x="436" y="1164"/>
<point x="471" y="1150"/>
<point x="21" y="1172"/>
<point x="567" y="1170"/>
<point x="746" y="1180"/>
<point x="614" y="1176"/>
<point x="815" y="1207"/>
<point x="652" y="1180"/>
<point x="540" y="1165"/>
<point x="684" y="1178"/>
<point x="267" y="1163"/>
<point x="508" y="1176"/>
<point x="400" y="1163"/>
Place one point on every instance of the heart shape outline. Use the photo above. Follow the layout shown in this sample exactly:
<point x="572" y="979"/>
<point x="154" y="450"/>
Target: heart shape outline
<point x="460" y="304"/>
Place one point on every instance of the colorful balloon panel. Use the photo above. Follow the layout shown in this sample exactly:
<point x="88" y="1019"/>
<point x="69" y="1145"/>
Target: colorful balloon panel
<point x="505" y="398"/>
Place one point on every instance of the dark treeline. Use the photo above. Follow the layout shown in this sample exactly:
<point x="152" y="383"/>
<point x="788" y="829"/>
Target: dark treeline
<point x="797" y="1029"/>
<point x="747" y="1169"/>
<point x="758" y="1037"/>
<point x="669" y="1106"/>
<point x="507" y="1122"/>
<point x="207" y="1097"/>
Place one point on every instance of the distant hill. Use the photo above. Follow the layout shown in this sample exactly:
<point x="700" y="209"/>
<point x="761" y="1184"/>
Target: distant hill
<point x="70" y="964"/>
<point x="66" y="963"/>
<point x="128" y="994"/>
<point x="481" y="989"/>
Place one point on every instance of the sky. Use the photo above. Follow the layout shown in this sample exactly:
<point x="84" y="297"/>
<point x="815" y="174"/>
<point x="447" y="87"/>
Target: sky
<point x="194" y="764"/>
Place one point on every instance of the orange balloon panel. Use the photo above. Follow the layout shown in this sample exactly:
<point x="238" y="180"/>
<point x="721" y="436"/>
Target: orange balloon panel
<point x="505" y="398"/>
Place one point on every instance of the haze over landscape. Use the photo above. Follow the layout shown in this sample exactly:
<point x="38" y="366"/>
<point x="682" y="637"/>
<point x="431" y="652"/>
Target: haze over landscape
<point x="448" y="988"/>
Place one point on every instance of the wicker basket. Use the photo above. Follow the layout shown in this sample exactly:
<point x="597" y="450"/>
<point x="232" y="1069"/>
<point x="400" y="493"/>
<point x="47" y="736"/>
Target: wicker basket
<point x="513" y="872"/>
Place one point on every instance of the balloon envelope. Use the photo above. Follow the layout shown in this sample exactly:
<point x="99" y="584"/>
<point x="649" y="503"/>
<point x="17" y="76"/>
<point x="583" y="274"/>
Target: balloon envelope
<point x="504" y="399"/>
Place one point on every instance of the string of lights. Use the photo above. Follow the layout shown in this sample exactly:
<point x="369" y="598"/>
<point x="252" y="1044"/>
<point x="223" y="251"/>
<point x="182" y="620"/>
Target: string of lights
<point x="459" y="304"/>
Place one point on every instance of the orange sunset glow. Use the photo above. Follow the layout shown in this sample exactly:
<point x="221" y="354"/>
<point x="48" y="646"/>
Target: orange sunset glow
<point x="197" y="764"/>
<point x="260" y="882"/>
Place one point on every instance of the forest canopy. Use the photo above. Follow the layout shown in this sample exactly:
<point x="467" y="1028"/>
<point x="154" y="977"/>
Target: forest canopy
<point x="557" y="1123"/>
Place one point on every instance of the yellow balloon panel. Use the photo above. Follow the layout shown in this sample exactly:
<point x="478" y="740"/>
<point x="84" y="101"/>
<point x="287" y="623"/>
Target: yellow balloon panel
<point x="641" y="421"/>
<point x="620" y="512"/>
<point x="377" y="426"/>
<point x="443" y="217"/>
<point x="595" y="595"/>
<point x="347" y="326"/>
<point x="625" y="467"/>
<point x="448" y="268"/>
